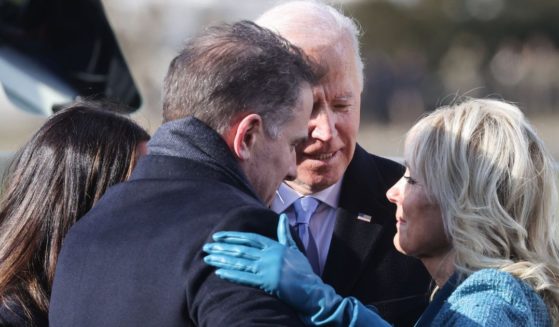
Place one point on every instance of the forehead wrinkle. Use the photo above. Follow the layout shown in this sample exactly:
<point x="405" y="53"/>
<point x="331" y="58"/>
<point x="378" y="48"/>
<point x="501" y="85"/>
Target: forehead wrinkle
<point x="337" y="91"/>
<point x="339" y="81"/>
<point x="348" y="95"/>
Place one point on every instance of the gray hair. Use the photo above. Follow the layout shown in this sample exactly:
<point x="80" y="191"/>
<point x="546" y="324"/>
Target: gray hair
<point x="495" y="182"/>
<point x="317" y="21"/>
<point x="232" y="69"/>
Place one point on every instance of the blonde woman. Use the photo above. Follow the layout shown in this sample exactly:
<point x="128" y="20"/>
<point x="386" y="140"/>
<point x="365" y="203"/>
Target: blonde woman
<point x="477" y="205"/>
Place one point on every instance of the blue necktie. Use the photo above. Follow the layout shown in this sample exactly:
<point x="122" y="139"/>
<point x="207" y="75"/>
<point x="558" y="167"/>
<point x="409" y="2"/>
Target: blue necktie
<point x="304" y="209"/>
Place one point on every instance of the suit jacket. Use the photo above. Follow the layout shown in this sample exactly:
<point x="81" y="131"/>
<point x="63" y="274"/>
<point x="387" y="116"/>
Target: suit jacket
<point x="136" y="258"/>
<point x="362" y="260"/>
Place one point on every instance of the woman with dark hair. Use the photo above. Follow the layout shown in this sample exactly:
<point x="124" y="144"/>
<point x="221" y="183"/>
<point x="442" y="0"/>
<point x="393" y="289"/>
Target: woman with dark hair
<point x="53" y="181"/>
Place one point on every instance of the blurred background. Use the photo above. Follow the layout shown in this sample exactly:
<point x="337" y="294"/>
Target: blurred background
<point x="419" y="54"/>
<point x="422" y="54"/>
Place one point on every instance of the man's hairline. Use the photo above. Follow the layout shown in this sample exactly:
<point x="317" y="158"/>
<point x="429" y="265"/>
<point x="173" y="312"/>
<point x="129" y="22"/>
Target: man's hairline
<point x="343" y="34"/>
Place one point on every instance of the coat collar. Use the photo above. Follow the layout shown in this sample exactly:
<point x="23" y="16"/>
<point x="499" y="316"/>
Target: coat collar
<point x="187" y="148"/>
<point x="285" y="196"/>
<point x="190" y="138"/>
<point x="440" y="298"/>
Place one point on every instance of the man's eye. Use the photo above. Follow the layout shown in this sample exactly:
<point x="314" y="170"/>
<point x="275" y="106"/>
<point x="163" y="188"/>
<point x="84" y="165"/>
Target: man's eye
<point x="342" y="106"/>
<point x="410" y="180"/>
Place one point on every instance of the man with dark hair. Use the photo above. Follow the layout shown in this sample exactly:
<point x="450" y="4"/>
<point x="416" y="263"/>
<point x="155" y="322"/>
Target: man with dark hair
<point x="236" y="103"/>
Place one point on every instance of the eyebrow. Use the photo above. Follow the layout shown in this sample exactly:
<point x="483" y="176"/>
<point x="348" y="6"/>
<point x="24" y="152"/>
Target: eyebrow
<point x="345" y="96"/>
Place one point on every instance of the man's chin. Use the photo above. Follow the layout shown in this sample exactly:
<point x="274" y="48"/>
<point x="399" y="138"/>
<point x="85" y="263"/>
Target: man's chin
<point x="313" y="183"/>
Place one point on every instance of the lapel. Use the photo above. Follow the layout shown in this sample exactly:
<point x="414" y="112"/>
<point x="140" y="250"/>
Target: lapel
<point x="354" y="240"/>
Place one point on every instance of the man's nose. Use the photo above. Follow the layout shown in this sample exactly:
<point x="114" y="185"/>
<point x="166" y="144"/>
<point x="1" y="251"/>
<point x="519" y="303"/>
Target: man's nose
<point x="323" y="125"/>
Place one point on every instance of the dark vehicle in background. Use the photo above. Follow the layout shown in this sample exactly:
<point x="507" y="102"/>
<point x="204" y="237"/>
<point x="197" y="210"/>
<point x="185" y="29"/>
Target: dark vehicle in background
<point x="51" y="53"/>
<point x="66" y="46"/>
<point x="55" y="51"/>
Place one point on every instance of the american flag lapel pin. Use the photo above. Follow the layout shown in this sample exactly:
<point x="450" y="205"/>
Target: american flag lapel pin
<point x="364" y="217"/>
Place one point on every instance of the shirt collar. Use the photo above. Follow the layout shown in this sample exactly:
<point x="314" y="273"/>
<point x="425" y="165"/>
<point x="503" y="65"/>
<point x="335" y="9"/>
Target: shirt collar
<point x="285" y="196"/>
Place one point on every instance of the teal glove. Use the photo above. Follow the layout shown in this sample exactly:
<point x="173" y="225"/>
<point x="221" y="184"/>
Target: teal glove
<point x="280" y="269"/>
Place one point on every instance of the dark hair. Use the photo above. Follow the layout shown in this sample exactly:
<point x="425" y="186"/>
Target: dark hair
<point x="236" y="68"/>
<point x="53" y="181"/>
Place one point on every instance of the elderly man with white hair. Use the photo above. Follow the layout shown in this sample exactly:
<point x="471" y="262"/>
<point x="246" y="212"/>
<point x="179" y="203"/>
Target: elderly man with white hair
<point x="337" y="203"/>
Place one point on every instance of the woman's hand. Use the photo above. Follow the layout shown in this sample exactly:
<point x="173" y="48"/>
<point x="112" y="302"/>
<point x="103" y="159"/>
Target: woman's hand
<point x="280" y="269"/>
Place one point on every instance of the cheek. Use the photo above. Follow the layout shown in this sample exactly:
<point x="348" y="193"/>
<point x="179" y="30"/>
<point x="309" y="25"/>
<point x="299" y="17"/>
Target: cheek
<point x="283" y="163"/>
<point x="286" y="158"/>
<point x="422" y="233"/>
<point x="408" y="205"/>
<point x="348" y="124"/>
<point x="347" y="132"/>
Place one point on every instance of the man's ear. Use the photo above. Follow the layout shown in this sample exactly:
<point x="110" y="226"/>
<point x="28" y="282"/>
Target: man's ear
<point x="248" y="130"/>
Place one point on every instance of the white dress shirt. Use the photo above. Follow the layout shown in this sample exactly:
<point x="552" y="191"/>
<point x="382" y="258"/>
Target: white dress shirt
<point x="322" y="221"/>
